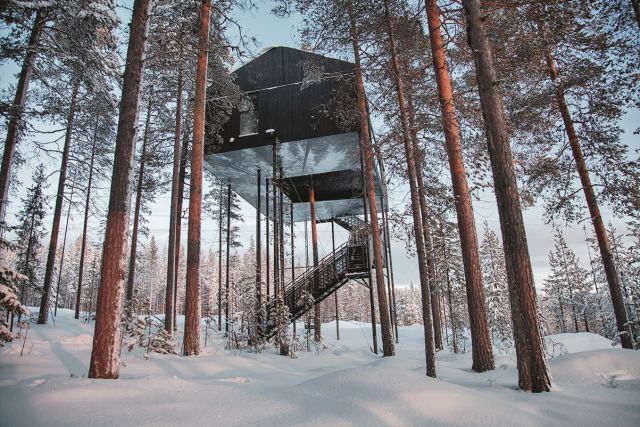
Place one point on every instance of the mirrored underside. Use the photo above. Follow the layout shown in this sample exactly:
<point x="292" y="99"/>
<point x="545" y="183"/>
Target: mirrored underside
<point x="330" y="164"/>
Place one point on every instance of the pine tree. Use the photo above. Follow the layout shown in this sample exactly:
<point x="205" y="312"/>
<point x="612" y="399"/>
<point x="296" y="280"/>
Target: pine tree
<point x="191" y="342"/>
<point x="567" y="291"/>
<point x="105" y="353"/>
<point x="494" y="274"/>
<point x="533" y="371"/>
<point x="408" y="306"/>
<point x="30" y="232"/>
<point x="9" y="301"/>
<point x="80" y="61"/>
<point x="28" y="52"/>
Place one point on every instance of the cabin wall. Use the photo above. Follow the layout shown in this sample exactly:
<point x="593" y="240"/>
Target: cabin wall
<point x="294" y="110"/>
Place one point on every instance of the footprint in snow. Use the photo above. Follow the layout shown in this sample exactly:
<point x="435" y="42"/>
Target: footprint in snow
<point x="237" y="380"/>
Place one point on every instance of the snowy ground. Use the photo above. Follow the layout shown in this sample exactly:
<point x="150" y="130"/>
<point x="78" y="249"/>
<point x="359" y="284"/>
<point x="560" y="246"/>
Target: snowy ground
<point x="594" y="385"/>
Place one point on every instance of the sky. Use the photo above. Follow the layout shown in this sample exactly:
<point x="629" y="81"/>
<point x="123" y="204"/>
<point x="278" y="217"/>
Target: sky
<point x="272" y="31"/>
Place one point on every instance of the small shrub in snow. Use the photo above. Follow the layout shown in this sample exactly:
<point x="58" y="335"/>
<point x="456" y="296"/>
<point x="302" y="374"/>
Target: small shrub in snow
<point x="145" y="330"/>
<point x="9" y="295"/>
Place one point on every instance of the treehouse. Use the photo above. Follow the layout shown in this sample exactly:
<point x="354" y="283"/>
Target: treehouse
<point x="292" y="150"/>
<point x="298" y="117"/>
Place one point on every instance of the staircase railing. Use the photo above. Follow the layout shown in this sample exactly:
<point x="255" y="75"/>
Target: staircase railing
<point x="332" y="272"/>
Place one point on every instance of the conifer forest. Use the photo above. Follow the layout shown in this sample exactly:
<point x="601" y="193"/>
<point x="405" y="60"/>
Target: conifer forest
<point x="320" y="212"/>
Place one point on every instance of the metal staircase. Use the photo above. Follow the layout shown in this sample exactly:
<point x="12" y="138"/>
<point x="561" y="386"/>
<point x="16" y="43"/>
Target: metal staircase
<point x="349" y="261"/>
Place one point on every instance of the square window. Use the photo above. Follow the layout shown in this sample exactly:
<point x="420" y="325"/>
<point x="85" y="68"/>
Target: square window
<point x="249" y="114"/>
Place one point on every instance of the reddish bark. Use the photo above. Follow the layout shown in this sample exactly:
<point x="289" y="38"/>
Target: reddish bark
<point x="367" y="158"/>
<point x="533" y="372"/>
<point x="317" y="335"/>
<point x="191" y="343"/>
<point x="105" y="353"/>
<point x="480" y="339"/>
<point x="426" y="228"/>
<point x="415" y="204"/>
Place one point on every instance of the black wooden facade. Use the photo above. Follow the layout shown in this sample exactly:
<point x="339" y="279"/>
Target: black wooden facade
<point x="299" y="94"/>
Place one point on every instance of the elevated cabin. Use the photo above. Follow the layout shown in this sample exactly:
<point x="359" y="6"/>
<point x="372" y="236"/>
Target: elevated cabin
<point x="298" y="109"/>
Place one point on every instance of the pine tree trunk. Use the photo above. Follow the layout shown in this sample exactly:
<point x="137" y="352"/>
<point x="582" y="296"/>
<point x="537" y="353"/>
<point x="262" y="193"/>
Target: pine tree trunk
<point x="17" y="108"/>
<point x="57" y="213"/>
<point x="181" y="181"/>
<point x="365" y="145"/>
<point x="415" y="206"/>
<point x="317" y="333"/>
<point x="592" y="203"/>
<point x="563" y="328"/>
<point x="424" y="212"/>
<point x="451" y="318"/>
<point x="173" y="214"/>
<point x="64" y="242"/>
<point x="192" y="300"/>
<point x="533" y="372"/>
<point x="105" y="353"/>
<point x="480" y="339"/>
<point x="136" y="211"/>
<point x="84" y="226"/>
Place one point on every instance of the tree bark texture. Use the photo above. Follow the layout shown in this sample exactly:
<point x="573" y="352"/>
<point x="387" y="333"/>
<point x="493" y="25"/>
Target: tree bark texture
<point x="608" y="262"/>
<point x="191" y="343"/>
<point x="173" y="213"/>
<point x="480" y="337"/>
<point x="365" y="144"/>
<point x="57" y="212"/>
<point x="83" y="246"/>
<point x="138" y="204"/>
<point x="64" y="242"/>
<point x="424" y="212"/>
<point x="533" y="372"/>
<point x="415" y="205"/>
<point x="181" y="179"/>
<point x="105" y="353"/>
<point x="17" y="108"/>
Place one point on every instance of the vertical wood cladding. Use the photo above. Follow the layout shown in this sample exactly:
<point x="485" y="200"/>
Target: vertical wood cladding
<point x="295" y="108"/>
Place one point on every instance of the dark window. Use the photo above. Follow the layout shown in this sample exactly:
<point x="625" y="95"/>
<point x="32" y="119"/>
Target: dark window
<point x="249" y="114"/>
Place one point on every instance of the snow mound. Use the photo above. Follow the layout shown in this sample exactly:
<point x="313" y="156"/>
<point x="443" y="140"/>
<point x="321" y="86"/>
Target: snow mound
<point x="84" y="339"/>
<point x="560" y="344"/>
<point x="609" y="368"/>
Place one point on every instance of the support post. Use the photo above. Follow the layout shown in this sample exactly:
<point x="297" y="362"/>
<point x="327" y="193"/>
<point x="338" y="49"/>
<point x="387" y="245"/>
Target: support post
<point x="293" y="269"/>
<point x="314" y="246"/>
<point x="219" y="259"/>
<point x="387" y="256"/>
<point x="226" y="285"/>
<point x="266" y="202"/>
<point x="281" y="231"/>
<point x="374" y="332"/>
<point x="258" y="256"/>
<point x="333" y="251"/>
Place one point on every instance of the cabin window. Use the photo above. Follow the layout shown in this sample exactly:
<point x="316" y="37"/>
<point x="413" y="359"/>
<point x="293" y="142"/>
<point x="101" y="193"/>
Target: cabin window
<point x="249" y="114"/>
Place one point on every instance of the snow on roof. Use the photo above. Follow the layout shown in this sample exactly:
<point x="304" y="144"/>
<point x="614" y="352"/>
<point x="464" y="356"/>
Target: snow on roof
<point x="270" y="48"/>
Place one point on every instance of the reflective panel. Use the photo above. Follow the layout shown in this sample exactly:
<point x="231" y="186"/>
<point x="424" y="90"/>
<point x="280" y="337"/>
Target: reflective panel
<point x="331" y="164"/>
